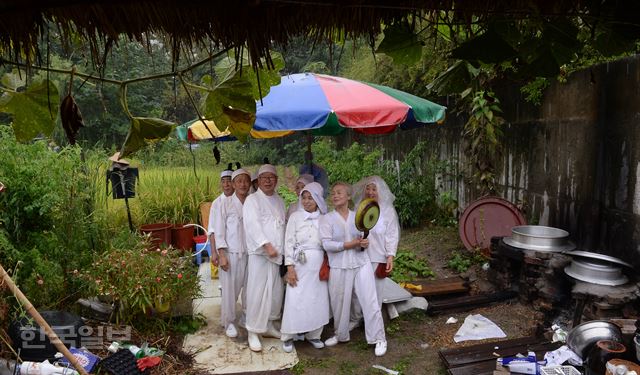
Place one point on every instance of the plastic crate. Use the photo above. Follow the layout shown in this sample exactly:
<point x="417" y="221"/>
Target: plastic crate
<point x="559" y="370"/>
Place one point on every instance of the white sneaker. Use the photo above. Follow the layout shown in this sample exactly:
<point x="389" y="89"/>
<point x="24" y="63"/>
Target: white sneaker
<point x="331" y="341"/>
<point x="381" y="348"/>
<point x="318" y="344"/>
<point x="254" y="342"/>
<point x="272" y="332"/>
<point x="287" y="346"/>
<point x="231" y="331"/>
<point x="353" y="324"/>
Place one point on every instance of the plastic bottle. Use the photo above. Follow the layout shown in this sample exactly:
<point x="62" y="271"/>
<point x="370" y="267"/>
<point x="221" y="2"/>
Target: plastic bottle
<point x="44" y="368"/>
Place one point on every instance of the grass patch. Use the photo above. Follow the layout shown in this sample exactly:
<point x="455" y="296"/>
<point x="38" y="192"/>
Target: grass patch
<point x="307" y="363"/>
<point x="358" y="345"/>
<point x="347" y="368"/>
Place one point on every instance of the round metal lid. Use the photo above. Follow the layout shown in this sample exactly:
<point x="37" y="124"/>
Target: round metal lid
<point x="488" y="217"/>
<point x="620" y="280"/>
<point x="591" y="255"/>
<point x="551" y="249"/>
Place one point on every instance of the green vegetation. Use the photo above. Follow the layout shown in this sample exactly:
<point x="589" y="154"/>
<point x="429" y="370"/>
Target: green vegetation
<point x="461" y="261"/>
<point x="407" y="266"/>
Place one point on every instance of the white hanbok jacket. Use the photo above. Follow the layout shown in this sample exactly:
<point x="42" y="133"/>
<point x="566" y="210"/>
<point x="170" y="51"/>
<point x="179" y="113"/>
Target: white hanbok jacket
<point x="334" y="232"/>
<point x="264" y="221"/>
<point x="228" y="225"/>
<point x="384" y="236"/>
<point x="215" y="207"/>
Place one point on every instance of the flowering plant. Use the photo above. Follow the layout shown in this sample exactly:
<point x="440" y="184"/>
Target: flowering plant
<point x="141" y="278"/>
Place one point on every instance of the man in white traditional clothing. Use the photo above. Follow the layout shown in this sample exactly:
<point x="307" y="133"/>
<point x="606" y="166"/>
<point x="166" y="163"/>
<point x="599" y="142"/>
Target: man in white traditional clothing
<point x="264" y="226"/>
<point x="385" y="235"/>
<point x="306" y="305"/>
<point x="351" y="278"/>
<point x="301" y="182"/>
<point x="231" y="251"/>
<point x="227" y="191"/>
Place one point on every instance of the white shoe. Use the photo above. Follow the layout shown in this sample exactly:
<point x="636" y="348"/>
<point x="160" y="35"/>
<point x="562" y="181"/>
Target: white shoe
<point x="353" y="324"/>
<point x="318" y="344"/>
<point x="287" y="346"/>
<point x="254" y="342"/>
<point x="272" y="332"/>
<point x="231" y="331"/>
<point x="331" y="341"/>
<point x="381" y="348"/>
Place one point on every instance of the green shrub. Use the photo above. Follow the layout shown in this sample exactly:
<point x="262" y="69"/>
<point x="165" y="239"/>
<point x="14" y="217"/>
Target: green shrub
<point x="407" y="266"/>
<point x="462" y="261"/>
<point x="47" y="216"/>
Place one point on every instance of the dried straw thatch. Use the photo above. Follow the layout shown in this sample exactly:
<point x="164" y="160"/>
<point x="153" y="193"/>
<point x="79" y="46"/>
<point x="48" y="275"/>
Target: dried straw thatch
<point x="256" y="24"/>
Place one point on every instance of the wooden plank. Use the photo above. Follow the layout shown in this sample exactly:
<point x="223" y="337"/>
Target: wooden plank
<point x="468" y="302"/>
<point x="450" y="285"/>
<point x="480" y="368"/>
<point x="491" y="345"/>
<point x="487" y="355"/>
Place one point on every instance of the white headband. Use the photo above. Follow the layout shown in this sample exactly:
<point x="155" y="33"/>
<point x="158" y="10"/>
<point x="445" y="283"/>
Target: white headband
<point x="267" y="168"/>
<point x="238" y="172"/>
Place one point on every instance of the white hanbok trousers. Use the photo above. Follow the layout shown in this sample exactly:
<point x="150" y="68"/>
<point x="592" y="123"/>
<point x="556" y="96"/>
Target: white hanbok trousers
<point x="306" y="306"/>
<point x="343" y="285"/>
<point x="356" y="310"/>
<point x="264" y="293"/>
<point x="233" y="282"/>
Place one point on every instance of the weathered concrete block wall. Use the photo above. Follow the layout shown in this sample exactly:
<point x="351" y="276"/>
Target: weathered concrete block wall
<point x="573" y="162"/>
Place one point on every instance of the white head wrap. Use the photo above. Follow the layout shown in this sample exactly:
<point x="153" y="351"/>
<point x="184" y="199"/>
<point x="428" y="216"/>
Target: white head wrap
<point x="238" y="172"/>
<point x="305" y="179"/>
<point x="267" y="168"/>
<point x="316" y="191"/>
<point x="254" y="176"/>
<point x="226" y="173"/>
<point x="385" y="196"/>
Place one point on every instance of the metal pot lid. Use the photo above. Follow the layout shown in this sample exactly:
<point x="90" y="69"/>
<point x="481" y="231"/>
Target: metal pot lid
<point x="596" y="271"/>
<point x="551" y="249"/>
<point x="488" y="217"/>
<point x="601" y="257"/>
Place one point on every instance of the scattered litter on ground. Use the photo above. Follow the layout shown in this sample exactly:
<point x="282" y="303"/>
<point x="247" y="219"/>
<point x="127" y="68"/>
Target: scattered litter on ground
<point x="388" y="371"/>
<point x="452" y="320"/>
<point x="477" y="327"/>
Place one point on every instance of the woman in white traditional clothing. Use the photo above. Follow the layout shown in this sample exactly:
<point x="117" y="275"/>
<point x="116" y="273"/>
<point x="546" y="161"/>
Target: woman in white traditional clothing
<point x="306" y="304"/>
<point x="302" y="181"/>
<point x="351" y="277"/>
<point x="264" y="225"/>
<point x="232" y="252"/>
<point x="385" y="235"/>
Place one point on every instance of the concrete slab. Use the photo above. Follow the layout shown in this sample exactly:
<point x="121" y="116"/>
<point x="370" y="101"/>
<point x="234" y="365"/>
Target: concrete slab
<point x="219" y="354"/>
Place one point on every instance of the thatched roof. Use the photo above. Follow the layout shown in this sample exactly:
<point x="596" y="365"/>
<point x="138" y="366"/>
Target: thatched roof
<point x="228" y="23"/>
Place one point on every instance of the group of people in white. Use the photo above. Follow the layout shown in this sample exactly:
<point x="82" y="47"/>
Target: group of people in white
<point x="252" y="235"/>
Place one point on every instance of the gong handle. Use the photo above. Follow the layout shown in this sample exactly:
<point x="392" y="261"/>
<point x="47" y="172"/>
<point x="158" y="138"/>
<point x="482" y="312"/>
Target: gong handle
<point x="366" y="234"/>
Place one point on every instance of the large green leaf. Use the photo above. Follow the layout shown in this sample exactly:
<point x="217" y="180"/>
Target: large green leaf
<point x="490" y="47"/>
<point x="231" y="103"/>
<point x="14" y="80"/>
<point x="454" y="80"/>
<point x="34" y="110"/>
<point x="401" y="44"/>
<point x="143" y="130"/>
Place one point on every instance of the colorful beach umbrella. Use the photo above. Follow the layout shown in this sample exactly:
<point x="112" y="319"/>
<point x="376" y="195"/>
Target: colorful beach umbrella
<point x="327" y="105"/>
<point x="196" y="130"/>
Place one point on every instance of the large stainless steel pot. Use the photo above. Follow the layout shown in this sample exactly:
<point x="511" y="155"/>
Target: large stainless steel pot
<point x="582" y="337"/>
<point x="539" y="238"/>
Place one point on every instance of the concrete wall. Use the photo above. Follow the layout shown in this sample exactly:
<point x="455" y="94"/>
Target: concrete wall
<point x="573" y="162"/>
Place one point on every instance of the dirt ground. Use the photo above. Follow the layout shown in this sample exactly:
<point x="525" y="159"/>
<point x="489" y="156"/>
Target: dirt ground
<point x="415" y="338"/>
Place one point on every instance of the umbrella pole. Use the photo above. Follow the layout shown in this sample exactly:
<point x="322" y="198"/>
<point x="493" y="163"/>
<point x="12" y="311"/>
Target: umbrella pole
<point x="24" y="301"/>
<point x="309" y="142"/>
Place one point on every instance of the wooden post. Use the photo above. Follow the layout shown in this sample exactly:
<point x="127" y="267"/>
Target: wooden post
<point x="24" y="301"/>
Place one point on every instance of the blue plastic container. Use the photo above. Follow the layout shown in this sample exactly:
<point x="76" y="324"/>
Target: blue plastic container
<point x="200" y="246"/>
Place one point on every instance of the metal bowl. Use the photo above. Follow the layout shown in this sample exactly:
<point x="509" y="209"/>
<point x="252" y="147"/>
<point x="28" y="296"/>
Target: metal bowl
<point x="582" y="337"/>
<point x="539" y="238"/>
<point x="596" y="272"/>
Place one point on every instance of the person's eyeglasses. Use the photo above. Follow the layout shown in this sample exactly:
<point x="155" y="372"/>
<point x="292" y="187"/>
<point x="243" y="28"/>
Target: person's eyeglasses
<point x="268" y="178"/>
